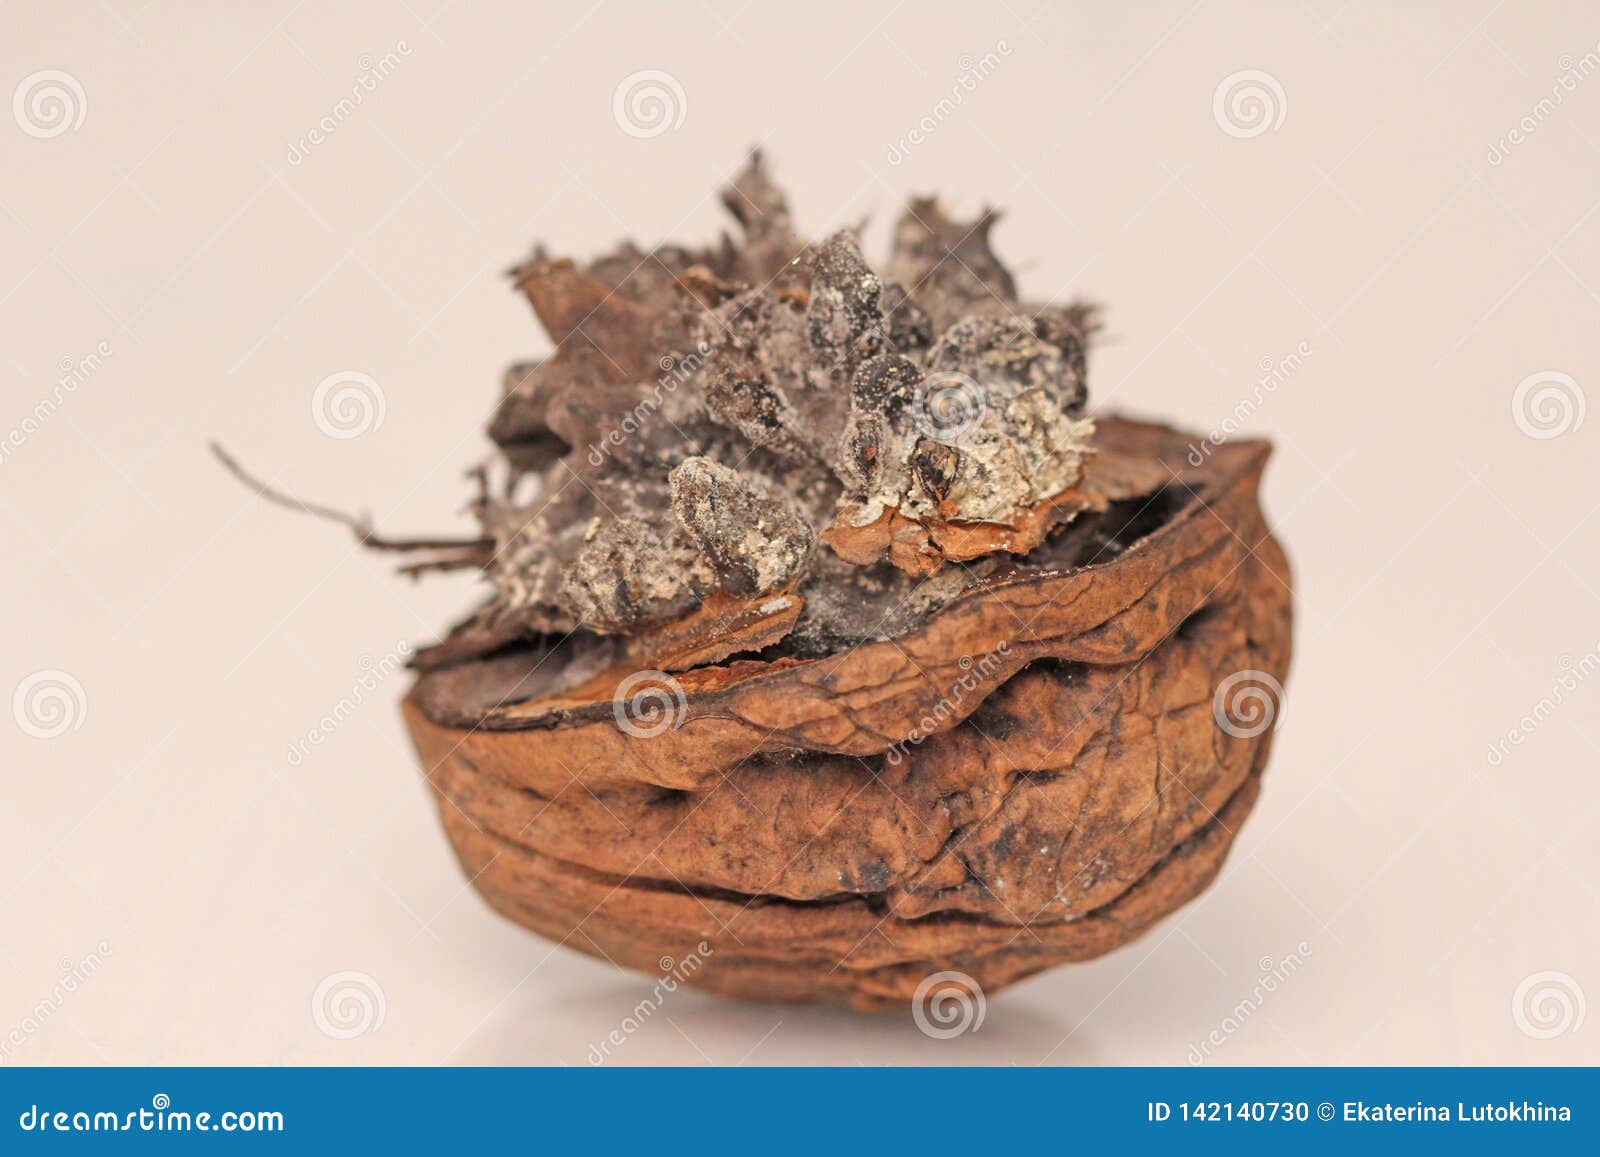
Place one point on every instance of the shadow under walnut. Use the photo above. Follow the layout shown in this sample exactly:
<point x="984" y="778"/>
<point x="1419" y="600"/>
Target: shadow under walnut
<point x="1033" y="775"/>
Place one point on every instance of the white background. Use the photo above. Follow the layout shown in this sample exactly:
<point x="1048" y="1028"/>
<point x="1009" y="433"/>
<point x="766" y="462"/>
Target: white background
<point x="1445" y="561"/>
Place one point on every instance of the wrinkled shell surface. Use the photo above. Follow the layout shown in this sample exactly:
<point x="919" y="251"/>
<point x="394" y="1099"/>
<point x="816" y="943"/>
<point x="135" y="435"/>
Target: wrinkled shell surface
<point x="1032" y="774"/>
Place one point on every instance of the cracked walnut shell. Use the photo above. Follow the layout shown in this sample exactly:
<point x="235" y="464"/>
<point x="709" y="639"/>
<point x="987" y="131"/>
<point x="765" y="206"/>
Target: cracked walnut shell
<point x="829" y="640"/>
<point x="1034" y="774"/>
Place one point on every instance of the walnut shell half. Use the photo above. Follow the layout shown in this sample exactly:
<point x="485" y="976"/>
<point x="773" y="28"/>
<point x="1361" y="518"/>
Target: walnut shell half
<point x="1034" y="774"/>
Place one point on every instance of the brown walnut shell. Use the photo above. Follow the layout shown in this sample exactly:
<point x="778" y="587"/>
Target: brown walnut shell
<point x="1035" y="774"/>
